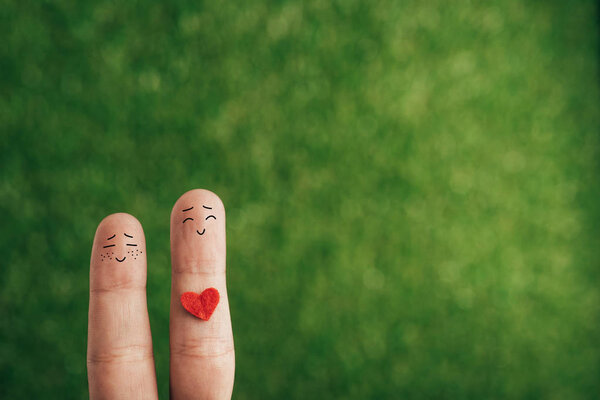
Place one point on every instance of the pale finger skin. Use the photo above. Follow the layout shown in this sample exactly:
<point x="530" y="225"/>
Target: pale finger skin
<point x="202" y="353"/>
<point x="119" y="358"/>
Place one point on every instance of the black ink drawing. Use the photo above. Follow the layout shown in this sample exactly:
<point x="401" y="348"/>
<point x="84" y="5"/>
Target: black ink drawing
<point x="134" y="253"/>
<point x="192" y="219"/>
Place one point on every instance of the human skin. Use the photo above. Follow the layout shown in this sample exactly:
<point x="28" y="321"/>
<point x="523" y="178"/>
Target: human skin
<point x="120" y="359"/>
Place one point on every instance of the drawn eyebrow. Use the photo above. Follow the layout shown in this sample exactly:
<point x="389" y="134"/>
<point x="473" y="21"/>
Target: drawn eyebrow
<point x="187" y="209"/>
<point x="209" y="217"/>
<point x="112" y="237"/>
<point x="127" y="235"/>
<point x="187" y="219"/>
<point x="129" y="244"/>
<point x="208" y="208"/>
<point x="110" y="245"/>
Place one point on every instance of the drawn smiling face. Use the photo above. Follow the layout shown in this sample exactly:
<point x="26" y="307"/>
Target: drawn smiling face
<point x="117" y="251"/>
<point x="189" y="218"/>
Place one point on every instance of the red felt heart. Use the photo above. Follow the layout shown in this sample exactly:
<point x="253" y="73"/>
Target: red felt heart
<point x="201" y="305"/>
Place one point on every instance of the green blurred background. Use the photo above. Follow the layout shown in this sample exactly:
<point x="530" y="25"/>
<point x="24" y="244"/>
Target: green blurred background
<point x="411" y="187"/>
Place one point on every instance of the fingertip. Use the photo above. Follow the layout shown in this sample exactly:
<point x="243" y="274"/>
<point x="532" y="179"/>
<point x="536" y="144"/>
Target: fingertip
<point x="118" y="253"/>
<point x="198" y="232"/>
<point x="117" y="221"/>
<point x="197" y="198"/>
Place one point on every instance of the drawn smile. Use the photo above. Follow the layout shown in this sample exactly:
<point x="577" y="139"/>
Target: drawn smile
<point x="191" y="218"/>
<point x="117" y="258"/>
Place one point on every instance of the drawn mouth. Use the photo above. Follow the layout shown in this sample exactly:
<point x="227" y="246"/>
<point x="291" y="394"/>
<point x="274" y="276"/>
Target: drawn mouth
<point x="117" y="258"/>
<point x="200" y="233"/>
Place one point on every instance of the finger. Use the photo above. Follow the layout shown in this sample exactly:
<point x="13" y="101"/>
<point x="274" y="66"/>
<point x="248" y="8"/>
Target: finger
<point x="119" y="357"/>
<point x="202" y="355"/>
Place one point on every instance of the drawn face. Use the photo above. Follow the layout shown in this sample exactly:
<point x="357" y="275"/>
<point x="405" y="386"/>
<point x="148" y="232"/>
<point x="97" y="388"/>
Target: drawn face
<point x="204" y="217"/>
<point x="120" y="250"/>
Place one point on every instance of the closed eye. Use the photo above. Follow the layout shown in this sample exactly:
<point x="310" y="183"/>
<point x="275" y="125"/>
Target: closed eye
<point x="188" y="219"/>
<point x="210" y="217"/>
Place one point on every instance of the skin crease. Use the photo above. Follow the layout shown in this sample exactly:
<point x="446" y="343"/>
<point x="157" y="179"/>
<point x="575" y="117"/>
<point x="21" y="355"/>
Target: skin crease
<point x="120" y="359"/>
